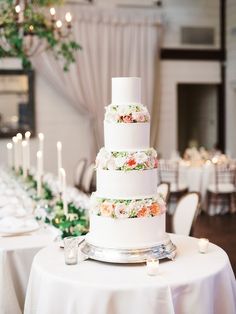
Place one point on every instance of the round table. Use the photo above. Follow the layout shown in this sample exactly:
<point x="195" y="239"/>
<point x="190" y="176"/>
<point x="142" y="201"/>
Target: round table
<point x="193" y="283"/>
<point x="16" y="257"/>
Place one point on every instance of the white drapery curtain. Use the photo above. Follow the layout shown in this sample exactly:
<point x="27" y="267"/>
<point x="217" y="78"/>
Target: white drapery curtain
<point x="115" y="42"/>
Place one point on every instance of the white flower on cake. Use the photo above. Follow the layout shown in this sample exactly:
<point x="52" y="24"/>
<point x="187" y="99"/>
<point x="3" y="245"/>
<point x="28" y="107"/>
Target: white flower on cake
<point x="121" y="211"/>
<point x="140" y="157"/>
<point x="153" y="152"/>
<point x="111" y="164"/>
<point x="123" y="113"/>
<point x="112" y="116"/>
<point x="120" y="161"/>
<point x="102" y="158"/>
<point x="123" y="110"/>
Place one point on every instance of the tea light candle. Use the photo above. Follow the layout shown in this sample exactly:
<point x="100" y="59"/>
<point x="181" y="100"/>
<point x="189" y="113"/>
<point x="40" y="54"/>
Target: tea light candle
<point x="203" y="245"/>
<point x="152" y="266"/>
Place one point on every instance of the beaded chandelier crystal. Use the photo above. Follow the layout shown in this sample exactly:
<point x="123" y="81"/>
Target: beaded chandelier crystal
<point x="28" y="28"/>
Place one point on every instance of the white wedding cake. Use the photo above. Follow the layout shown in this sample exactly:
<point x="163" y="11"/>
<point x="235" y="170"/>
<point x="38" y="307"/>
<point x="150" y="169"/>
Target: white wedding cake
<point x="126" y="211"/>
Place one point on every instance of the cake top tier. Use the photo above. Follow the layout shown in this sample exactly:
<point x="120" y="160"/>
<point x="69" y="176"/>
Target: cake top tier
<point x="126" y="90"/>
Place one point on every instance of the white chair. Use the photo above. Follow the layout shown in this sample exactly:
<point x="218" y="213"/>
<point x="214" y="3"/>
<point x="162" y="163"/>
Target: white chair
<point x="88" y="179"/>
<point x="220" y="191"/>
<point x="164" y="190"/>
<point x="169" y="172"/>
<point x="79" y="171"/>
<point x="185" y="213"/>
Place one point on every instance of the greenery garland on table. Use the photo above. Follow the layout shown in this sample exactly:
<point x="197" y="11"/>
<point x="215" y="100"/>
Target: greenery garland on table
<point x="35" y="24"/>
<point x="76" y="223"/>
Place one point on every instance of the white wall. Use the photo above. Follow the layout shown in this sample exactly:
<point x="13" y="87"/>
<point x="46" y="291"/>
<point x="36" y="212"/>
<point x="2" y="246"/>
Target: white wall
<point x="200" y="13"/>
<point x="58" y="120"/>
<point x="231" y="77"/>
<point x="173" y="72"/>
<point x="177" y="13"/>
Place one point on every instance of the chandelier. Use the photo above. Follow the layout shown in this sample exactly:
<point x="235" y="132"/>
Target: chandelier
<point x="27" y="28"/>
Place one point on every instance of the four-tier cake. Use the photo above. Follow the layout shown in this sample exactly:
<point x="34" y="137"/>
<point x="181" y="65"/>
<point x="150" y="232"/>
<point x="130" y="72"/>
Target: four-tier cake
<point x="126" y="211"/>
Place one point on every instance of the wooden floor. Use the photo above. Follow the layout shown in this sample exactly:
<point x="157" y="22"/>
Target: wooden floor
<point x="219" y="229"/>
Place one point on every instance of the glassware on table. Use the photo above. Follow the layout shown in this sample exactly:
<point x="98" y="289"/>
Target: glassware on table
<point x="71" y="250"/>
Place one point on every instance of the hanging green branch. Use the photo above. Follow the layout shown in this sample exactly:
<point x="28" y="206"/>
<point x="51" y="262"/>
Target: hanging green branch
<point x="34" y="26"/>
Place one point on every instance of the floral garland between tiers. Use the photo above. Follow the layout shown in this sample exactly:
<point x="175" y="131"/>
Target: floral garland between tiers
<point x="133" y="113"/>
<point x="138" y="208"/>
<point x="142" y="160"/>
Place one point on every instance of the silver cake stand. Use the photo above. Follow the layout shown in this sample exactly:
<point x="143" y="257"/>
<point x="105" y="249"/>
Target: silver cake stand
<point x="160" y="251"/>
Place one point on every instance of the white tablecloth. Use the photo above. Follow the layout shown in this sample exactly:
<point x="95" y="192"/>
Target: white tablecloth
<point x="194" y="283"/>
<point x="16" y="256"/>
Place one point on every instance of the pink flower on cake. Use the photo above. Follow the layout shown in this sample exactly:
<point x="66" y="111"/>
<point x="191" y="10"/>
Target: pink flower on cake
<point x="131" y="163"/>
<point x="155" y="163"/>
<point x="163" y="208"/>
<point x="106" y="209"/>
<point x="143" y="212"/>
<point x="139" y="117"/>
<point x="121" y="211"/>
<point x="127" y="119"/>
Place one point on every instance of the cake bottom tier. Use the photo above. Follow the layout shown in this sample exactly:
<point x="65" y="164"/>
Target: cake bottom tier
<point x="127" y="233"/>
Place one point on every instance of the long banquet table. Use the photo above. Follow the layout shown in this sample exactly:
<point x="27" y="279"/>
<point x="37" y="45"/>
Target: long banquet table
<point x="21" y="236"/>
<point x="193" y="283"/>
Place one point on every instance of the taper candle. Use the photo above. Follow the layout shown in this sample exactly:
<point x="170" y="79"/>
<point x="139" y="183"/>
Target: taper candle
<point x="9" y="155"/>
<point x="16" y="160"/>
<point x="27" y="138"/>
<point x="63" y="180"/>
<point x="59" y="160"/>
<point x="39" y="173"/>
<point x="41" y="147"/>
<point x="25" y="158"/>
<point x="19" y="148"/>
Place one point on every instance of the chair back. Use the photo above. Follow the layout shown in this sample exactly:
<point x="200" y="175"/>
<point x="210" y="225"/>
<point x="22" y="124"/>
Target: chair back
<point x="224" y="174"/>
<point x="164" y="190"/>
<point x="185" y="213"/>
<point x="79" y="171"/>
<point x="88" y="177"/>
<point x="169" y="171"/>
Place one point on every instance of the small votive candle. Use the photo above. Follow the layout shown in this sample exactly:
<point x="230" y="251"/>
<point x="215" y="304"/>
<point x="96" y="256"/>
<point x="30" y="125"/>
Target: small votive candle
<point x="203" y="245"/>
<point x="71" y="250"/>
<point x="152" y="266"/>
